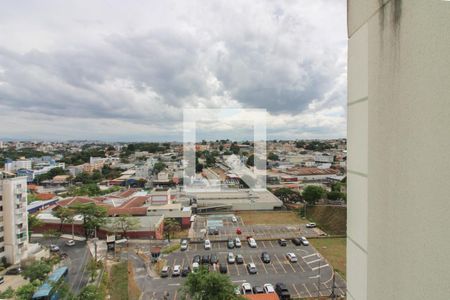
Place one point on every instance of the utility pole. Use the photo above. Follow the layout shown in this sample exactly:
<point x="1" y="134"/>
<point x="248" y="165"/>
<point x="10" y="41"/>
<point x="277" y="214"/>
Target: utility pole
<point x="333" y="287"/>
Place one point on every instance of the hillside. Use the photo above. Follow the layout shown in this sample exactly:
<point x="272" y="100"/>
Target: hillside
<point x="332" y="219"/>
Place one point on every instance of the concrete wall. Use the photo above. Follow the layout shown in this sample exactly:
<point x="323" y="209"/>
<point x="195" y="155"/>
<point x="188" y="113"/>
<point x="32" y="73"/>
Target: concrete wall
<point x="398" y="119"/>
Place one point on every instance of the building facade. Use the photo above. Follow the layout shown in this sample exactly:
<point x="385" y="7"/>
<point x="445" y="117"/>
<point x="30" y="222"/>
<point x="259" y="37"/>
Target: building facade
<point x="398" y="114"/>
<point x="14" y="219"/>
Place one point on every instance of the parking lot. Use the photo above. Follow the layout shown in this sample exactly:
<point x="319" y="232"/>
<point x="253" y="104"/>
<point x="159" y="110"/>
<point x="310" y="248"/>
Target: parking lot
<point x="310" y="276"/>
<point x="226" y="228"/>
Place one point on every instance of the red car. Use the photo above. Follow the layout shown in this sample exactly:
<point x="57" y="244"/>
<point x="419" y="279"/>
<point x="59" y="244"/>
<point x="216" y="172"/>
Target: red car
<point x="238" y="231"/>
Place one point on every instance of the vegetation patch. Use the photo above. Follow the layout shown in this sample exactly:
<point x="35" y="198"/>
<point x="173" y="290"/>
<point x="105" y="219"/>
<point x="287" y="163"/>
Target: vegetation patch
<point x="334" y="250"/>
<point x="270" y="217"/>
<point x="118" y="281"/>
<point x="332" y="219"/>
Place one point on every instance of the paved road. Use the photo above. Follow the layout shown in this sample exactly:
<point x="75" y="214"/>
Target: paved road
<point x="310" y="276"/>
<point x="78" y="256"/>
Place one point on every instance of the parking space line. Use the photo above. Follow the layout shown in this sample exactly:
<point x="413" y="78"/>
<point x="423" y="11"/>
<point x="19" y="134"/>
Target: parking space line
<point x="321" y="293"/>
<point x="306" y="288"/>
<point x="274" y="269"/>
<point x="271" y="244"/>
<point x="237" y="269"/>
<point x="295" y="289"/>
<point x="290" y="265"/>
<point x="303" y="270"/>
<point x="264" y="266"/>
<point x="264" y="245"/>
<point x="175" y="295"/>
<point x="280" y="263"/>
<point x="314" y="254"/>
<point x="174" y="261"/>
<point x="313" y="261"/>
<point x="320" y="267"/>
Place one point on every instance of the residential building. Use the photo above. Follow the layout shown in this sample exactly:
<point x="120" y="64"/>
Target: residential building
<point x="398" y="114"/>
<point x="13" y="218"/>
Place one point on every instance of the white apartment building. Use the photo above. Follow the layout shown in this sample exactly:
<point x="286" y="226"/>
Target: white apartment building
<point x="12" y="166"/>
<point x="398" y="114"/>
<point x="13" y="219"/>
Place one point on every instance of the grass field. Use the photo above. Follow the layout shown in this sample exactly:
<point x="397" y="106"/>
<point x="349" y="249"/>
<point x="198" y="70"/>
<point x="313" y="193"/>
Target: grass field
<point x="331" y="219"/>
<point x="270" y="217"/>
<point x="118" y="284"/>
<point x="334" y="250"/>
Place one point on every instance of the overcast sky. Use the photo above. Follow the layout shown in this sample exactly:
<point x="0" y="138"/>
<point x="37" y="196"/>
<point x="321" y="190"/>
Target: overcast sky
<point x="124" y="70"/>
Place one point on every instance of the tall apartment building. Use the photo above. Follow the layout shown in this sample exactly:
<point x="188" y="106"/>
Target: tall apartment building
<point x="398" y="119"/>
<point x="13" y="218"/>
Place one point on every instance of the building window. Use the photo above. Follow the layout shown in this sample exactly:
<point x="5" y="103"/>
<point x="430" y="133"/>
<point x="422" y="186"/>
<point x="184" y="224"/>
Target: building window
<point x="1" y="239"/>
<point x="2" y="249"/>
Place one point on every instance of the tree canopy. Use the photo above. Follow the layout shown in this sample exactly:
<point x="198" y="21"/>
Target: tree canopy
<point x="313" y="193"/>
<point x="204" y="285"/>
<point x="93" y="216"/>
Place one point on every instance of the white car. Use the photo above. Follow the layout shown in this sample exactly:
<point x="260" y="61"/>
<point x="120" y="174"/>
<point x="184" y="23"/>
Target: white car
<point x="252" y="243"/>
<point x="237" y="242"/>
<point x="54" y="248"/>
<point x="292" y="257"/>
<point x="195" y="267"/>
<point x="268" y="288"/>
<point x="230" y="258"/>
<point x="207" y="245"/>
<point x="251" y="268"/>
<point x="304" y="241"/>
<point x="176" y="270"/>
<point x="234" y="219"/>
<point x="70" y="243"/>
<point x="184" y="245"/>
<point x="246" y="288"/>
<point x="311" y="225"/>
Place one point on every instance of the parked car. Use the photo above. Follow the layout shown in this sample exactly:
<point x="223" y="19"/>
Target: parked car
<point x="165" y="271"/>
<point x="196" y="259"/>
<point x="246" y="288"/>
<point x="205" y="259"/>
<point x="230" y="244"/>
<point x="2" y="279"/>
<point x="185" y="271"/>
<point x="282" y="242"/>
<point x="70" y="243"/>
<point x="237" y="242"/>
<point x="297" y="241"/>
<point x="230" y="258"/>
<point x="265" y="257"/>
<point x="311" y="225"/>
<point x="176" y="271"/>
<point x="252" y="243"/>
<point x="291" y="257"/>
<point x="207" y="244"/>
<point x="214" y="259"/>
<point x="268" y="288"/>
<point x="238" y="231"/>
<point x="282" y="291"/>
<point x="234" y="219"/>
<point x="54" y="248"/>
<point x="213" y="231"/>
<point x="251" y="268"/>
<point x="305" y="242"/>
<point x="14" y="271"/>
<point x="239" y="259"/>
<point x="184" y="245"/>
<point x="258" y="290"/>
<point x="223" y="268"/>
<point x="195" y="267"/>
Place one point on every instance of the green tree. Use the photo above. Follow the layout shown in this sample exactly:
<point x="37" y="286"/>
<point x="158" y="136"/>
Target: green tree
<point x="204" y="285"/>
<point x="93" y="216"/>
<point x="38" y="270"/>
<point x="272" y="156"/>
<point x="8" y="293"/>
<point x="64" y="214"/>
<point x="125" y="223"/>
<point x="288" y="195"/>
<point x="90" y="292"/>
<point x="312" y="193"/>
<point x="170" y="226"/>
<point x="335" y="195"/>
<point x="33" y="222"/>
<point x="92" y="267"/>
<point x="52" y="235"/>
<point x="26" y="291"/>
<point x="159" y="166"/>
<point x="251" y="160"/>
